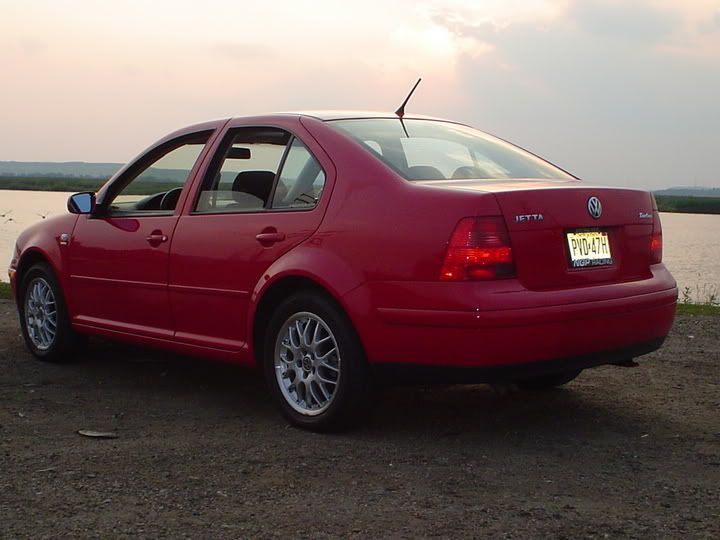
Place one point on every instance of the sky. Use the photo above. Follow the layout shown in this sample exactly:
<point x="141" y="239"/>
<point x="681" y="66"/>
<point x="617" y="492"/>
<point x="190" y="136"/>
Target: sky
<point x="616" y="92"/>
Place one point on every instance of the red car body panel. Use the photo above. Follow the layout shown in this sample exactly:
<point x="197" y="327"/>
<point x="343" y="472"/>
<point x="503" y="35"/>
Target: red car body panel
<point x="375" y="242"/>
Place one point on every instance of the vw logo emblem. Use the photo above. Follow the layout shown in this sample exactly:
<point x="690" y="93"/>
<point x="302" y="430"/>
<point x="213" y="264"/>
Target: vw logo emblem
<point x="594" y="207"/>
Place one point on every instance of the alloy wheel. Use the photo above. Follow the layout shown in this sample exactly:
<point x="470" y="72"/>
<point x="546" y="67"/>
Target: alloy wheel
<point x="40" y="313"/>
<point x="307" y="363"/>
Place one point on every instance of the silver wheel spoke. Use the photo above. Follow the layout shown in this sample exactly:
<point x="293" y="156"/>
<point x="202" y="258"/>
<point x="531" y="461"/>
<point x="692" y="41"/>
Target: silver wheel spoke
<point x="323" y="340"/>
<point x="306" y="394"/>
<point x="45" y="335"/>
<point x="325" y="393"/>
<point x="324" y="356"/>
<point x="314" y="394"/>
<point x="329" y="366"/>
<point x="305" y="336"/>
<point x="325" y="379"/>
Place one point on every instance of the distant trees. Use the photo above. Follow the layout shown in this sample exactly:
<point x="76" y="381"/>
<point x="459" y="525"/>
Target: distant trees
<point x="688" y="205"/>
<point x="147" y="186"/>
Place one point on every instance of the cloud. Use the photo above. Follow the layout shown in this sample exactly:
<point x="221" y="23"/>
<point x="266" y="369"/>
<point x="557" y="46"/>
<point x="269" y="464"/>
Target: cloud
<point x="614" y="110"/>
<point x="31" y="46"/>
<point x="626" y="21"/>
<point x="619" y="92"/>
<point x="710" y="25"/>
<point x="237" y="50"/>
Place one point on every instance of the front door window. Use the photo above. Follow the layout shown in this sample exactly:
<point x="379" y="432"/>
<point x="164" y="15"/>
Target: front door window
<point x="156" y="185"/>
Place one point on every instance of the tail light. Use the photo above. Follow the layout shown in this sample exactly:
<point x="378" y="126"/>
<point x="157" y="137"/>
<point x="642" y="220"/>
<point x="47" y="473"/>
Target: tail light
<point x="479" y="248"/>
<point x="656" y="243"/>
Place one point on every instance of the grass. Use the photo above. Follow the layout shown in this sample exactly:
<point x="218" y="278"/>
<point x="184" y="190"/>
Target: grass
<point x="5" y="292"/>
<point x="700" y="300"/>
<point x="698" y="309"/>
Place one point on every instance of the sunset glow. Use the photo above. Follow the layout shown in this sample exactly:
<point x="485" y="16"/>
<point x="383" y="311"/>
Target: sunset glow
<point x="577" y="81"/>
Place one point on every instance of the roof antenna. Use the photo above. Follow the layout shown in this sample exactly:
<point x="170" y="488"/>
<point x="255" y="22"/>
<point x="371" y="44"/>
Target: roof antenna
<point x="401" y="110"/>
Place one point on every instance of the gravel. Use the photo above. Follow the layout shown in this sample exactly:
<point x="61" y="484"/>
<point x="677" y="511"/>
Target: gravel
<point x="200" y="452"/>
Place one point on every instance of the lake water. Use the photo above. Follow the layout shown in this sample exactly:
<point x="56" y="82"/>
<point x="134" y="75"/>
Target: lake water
<point x="691" y="241"/>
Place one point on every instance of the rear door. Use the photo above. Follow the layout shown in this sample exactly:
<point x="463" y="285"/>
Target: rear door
<point x="263" y="193"/>
<point x="119" y="255"/>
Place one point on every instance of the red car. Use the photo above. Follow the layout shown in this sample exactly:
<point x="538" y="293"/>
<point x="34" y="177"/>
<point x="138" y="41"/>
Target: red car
<point x="336" y="250"/>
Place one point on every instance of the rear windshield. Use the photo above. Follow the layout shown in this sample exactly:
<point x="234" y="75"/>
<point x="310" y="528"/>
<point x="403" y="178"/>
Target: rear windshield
<point x="434" y="150"/>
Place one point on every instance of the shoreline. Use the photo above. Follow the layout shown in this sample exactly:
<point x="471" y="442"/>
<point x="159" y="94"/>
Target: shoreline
<point x="670" y="204"/>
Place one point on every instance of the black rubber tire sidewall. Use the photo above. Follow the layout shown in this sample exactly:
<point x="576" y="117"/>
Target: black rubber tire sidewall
<point x="351" y="403"/>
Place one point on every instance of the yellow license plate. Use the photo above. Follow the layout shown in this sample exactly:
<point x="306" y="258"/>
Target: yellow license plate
<point x="589" y="248"/>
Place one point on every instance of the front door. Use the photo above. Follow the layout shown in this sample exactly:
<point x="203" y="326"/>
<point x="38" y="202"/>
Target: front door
<point x="258" y="201"/>
<point x="119" y="255"/>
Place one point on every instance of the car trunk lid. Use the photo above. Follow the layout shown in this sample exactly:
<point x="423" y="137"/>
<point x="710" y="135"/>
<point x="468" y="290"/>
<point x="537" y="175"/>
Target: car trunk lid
<point x="558" y="228"/>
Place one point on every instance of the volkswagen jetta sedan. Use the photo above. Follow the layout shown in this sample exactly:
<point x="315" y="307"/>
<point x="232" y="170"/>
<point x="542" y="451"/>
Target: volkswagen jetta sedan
<point x="335" y="250"/>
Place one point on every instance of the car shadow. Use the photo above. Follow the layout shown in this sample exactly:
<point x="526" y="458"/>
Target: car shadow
<point x="585" y="410"/>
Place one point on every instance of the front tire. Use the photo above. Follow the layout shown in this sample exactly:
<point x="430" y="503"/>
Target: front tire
<point x="314" y="364"/>
<point x="44" y="318"/>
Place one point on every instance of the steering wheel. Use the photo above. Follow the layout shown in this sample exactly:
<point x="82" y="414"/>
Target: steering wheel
<point x="170" y="199"/>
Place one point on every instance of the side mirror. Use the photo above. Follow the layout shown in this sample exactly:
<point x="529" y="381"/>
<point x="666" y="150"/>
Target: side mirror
<point x="81" y="203"/>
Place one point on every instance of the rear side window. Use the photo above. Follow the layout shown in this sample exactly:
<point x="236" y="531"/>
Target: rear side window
<point x="243" y="174"/>
<point x="301" y="181"/>
<point x="257" y="169"/>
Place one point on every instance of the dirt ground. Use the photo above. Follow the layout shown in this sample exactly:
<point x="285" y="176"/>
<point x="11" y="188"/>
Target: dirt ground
<point x="201" y="453"/>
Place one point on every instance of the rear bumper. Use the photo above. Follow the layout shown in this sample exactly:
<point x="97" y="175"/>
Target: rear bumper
<point x="404" y="373"/>
<point x="604" y="324"/>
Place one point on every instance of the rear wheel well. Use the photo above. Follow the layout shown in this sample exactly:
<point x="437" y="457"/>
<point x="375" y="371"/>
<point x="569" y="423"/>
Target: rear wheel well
<point x="277" y="292"/>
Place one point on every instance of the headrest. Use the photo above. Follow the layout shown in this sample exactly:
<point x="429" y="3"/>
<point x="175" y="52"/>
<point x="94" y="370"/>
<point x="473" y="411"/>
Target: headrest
<point x="257" y="183"/>
<point x="466" y="172"/>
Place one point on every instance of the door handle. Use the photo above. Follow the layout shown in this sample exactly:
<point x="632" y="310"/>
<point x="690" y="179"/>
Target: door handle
<point x="269" y="236"/>
<point x="156" y="237"/>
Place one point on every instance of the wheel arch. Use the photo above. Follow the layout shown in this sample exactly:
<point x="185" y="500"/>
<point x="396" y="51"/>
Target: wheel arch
<point x="271" y="291"/>
<point x="30" y="257"/>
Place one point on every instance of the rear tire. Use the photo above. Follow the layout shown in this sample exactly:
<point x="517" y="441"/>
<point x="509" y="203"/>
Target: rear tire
<point x="314" y="364"/>
<point x="547" y="382"/>
<point x="44" y="318"/>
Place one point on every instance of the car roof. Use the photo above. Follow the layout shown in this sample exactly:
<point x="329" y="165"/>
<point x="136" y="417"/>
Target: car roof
<point x="343" y="115"/>
<point x="346" y="115"/>
<point x="323" y="116"/>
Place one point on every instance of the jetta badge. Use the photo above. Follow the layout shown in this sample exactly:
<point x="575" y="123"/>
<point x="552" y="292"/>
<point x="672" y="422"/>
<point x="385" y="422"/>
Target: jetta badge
<point x="594" y="207"/>
<point x="529" y="217"/>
